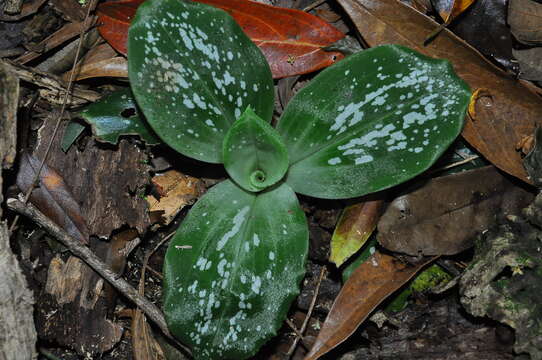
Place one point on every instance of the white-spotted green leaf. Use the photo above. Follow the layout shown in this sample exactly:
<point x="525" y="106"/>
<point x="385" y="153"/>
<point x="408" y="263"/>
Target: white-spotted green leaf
<point x="116" y="115"/>
<point x="233" y="268"/>
<point x="193" y="71"/>
<point x="254" y="155"/>
<point x="371" y="121"/>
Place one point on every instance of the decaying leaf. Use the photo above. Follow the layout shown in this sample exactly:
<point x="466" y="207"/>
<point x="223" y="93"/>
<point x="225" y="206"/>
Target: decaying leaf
<point x="370" y="284"/>
<point x="443" y="216"/>
<point x="176" y="191"/>
<point x="514" y="110"/>
<point x="530" y="66"/>
<point x="291" y="40"/>
<point x="450" y="9"/>
<point x="525" y="20"/>
<point x="113" y="67"/>
<point x="145" y="346"/>
<point x="356" y="224"/>
<point x="52" y="197"/>
<point x="484" y="27"/>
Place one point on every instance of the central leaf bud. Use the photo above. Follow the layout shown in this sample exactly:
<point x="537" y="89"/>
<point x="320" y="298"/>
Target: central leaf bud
<point x="254" y="154"/>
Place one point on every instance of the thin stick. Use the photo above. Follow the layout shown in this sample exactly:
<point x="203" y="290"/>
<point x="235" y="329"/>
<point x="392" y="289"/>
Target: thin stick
<point x="96" y="264"/>
<point x="309" y="313"/>
<point x="292" y="326"/>
<point x="91" y="7"/>
<point x="154" y="272"/>
<point x="457" y="163"/>
<point x="146" y="263"/>
<point x="313" y="5"/>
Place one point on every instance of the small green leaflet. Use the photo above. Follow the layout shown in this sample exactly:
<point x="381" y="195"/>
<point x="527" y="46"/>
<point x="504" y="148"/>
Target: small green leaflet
<point x="193" y="71"/>
<point x="254" y="155"/>
<point x="71" y="133"/>
<point x="371" y="121"/>
<point x="233" y="268"/>
<point x="117" y="115"/>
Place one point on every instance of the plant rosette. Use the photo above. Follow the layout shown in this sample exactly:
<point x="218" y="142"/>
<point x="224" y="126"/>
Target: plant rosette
<point x="369" y="122"/>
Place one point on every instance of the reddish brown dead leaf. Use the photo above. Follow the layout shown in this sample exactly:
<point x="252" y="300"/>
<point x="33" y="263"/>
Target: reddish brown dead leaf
<point x="52" y="197"/>
<point x="370" y="284"/>
<point x="291" y="40"/>
<point x="444" y="215"/>
<point x="514" y="110"/>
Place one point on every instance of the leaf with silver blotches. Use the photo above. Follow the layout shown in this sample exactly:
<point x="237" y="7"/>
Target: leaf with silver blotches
<point x="117" y="115"/>
<point x="193" y="71"/>
<point x="233" y="268"/>
<point x="254" y="155"/>
<point x="371" y="121"/>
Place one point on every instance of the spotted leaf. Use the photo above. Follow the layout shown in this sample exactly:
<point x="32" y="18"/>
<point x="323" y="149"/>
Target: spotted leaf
<point x="371" y="121"/>
<point x="254" y="155"/>
<point x="233" y="268"/>
<point x="193" y="71"/>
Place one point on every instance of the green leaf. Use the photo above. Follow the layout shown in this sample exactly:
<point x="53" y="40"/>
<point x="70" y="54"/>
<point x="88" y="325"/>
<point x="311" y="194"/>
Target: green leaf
<point x="371" y="121"/>
<point x="72" y="132"/>
<point x="368" y="249"/>
<point x="117" y="115"/>
<point x="233" y="268"/>
<point x="193" y="71"/>
<point x="254" y="155"/>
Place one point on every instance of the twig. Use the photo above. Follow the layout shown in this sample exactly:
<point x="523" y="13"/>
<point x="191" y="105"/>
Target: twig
<point x="91" y="7"/>
<point x="313" y="5"/>
<point x="154" y="272"/>
<point x="292" y="326"/>
<point x="95" y="263"/>
<point x="309" y="314"/>
<point x="455" y="164"/>
<point x="146" y="263"/>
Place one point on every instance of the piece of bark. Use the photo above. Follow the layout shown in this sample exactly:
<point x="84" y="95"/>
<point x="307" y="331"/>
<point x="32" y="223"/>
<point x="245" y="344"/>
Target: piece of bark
<point x="440" y="331"/>
<point x="106" y="181"/>
<point x="18" y="337"/>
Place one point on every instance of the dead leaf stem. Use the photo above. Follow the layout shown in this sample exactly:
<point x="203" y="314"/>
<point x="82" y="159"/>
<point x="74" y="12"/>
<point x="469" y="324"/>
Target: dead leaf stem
<point x="309" y="313"/>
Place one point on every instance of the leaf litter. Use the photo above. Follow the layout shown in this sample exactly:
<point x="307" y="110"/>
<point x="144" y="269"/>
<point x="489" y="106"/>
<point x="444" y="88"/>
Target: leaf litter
<point x="485" y="139"/>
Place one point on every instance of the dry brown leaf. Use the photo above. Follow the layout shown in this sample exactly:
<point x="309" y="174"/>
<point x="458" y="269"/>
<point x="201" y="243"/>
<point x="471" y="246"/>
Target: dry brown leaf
<point x="145" y="346"/>
<point x="52" y="197"/>
<point x="112" y="67"/>
<point x="65" y="33"/>
<point x="176" y="191"/>
<point x="525" y="20"/>
<point x="370" y="284"/>
<point x="444" y="215"/>
<point x="513" y="112"/>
